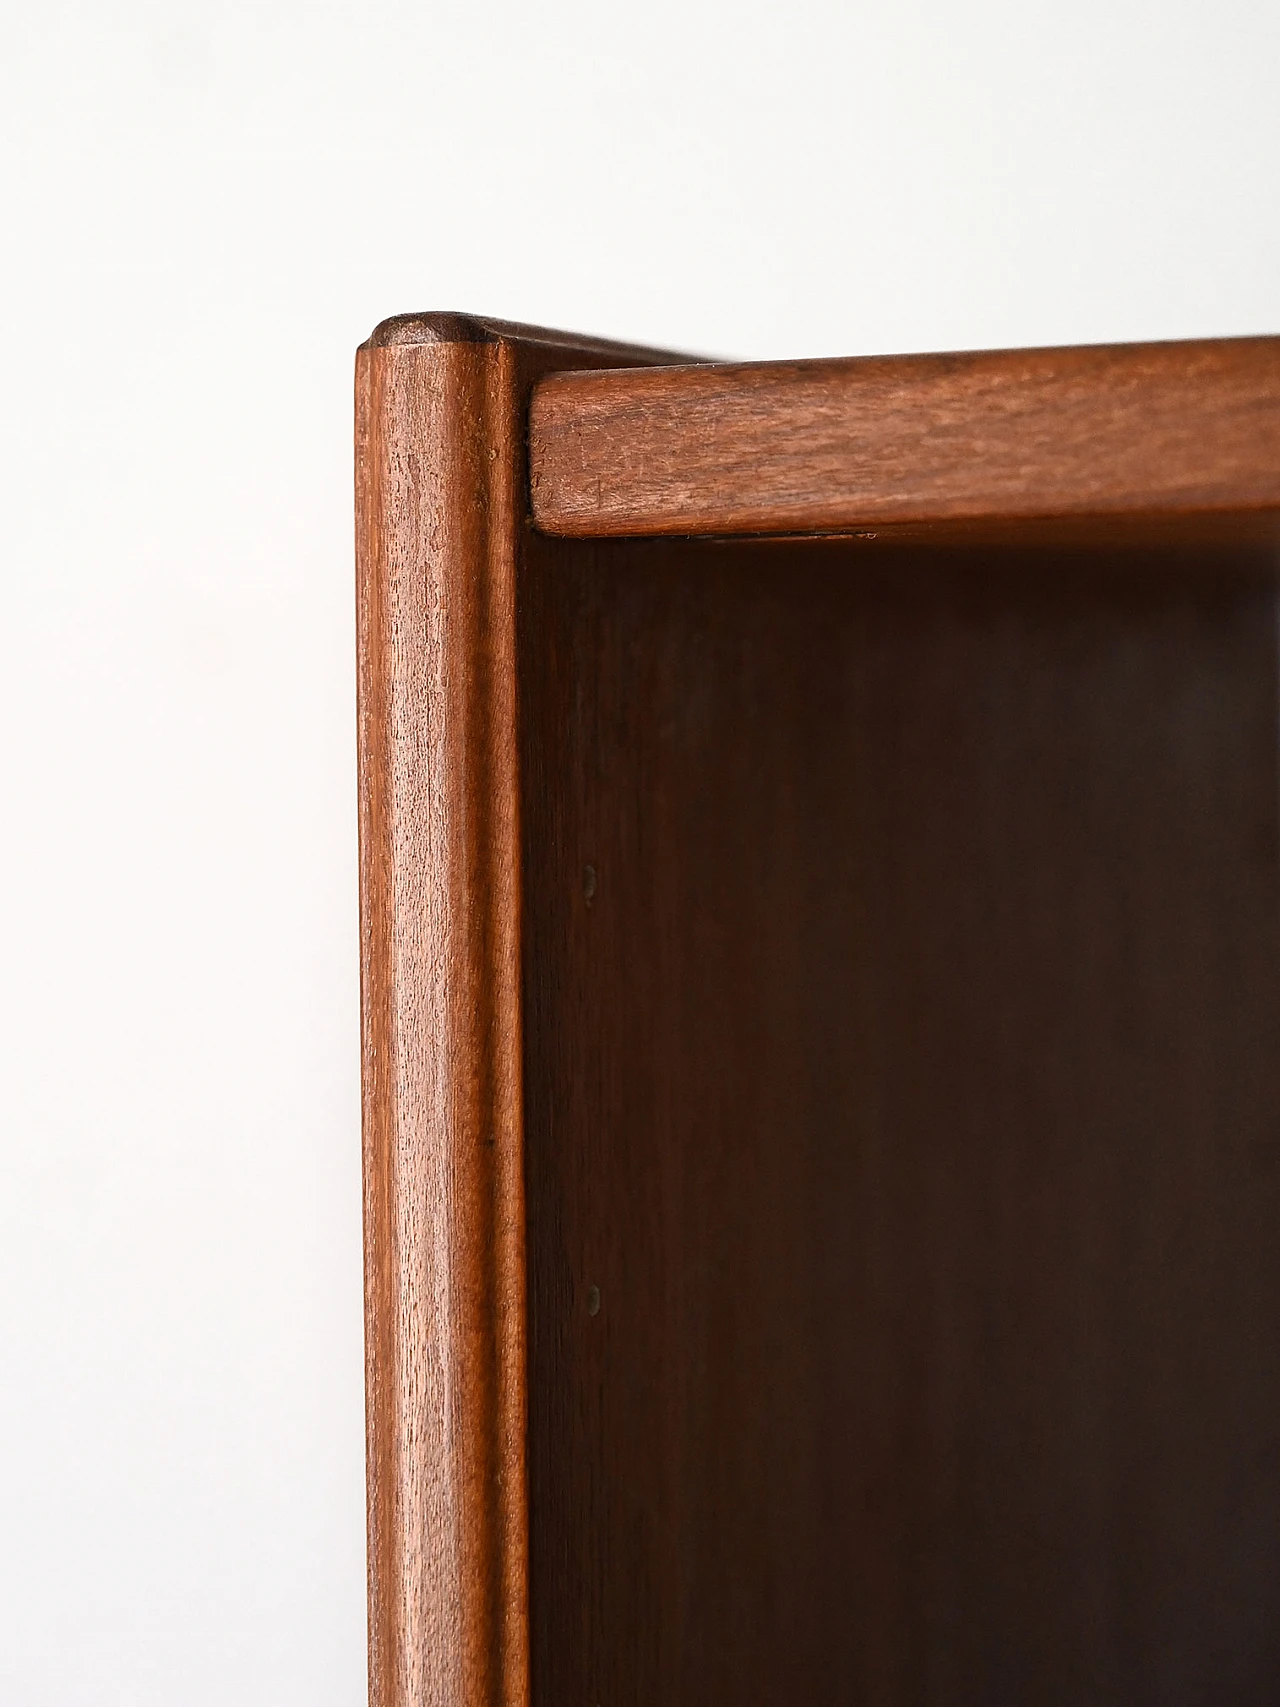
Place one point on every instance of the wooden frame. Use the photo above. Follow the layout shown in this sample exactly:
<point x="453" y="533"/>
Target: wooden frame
<point x="514" y="488"/>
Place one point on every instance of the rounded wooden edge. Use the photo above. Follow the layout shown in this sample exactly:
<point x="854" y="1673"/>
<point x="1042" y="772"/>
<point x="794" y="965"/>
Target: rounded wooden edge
<point x="446" y="327"/>
<point x="442" y="327"/>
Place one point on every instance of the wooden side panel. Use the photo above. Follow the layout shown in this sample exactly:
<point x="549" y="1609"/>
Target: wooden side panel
<point x="444" y="1220"/>
<point x="1140" y="431"/>
<point x="441" y="516"/>
<point x="902" y="1003"/>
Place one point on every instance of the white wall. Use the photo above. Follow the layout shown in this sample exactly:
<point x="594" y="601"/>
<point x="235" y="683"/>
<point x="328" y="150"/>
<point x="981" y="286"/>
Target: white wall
<point x="204" y="211"/>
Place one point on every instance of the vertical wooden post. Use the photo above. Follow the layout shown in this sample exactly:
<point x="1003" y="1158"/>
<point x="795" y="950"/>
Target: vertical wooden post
<point x="439" y="792"/>
<point x="442" y="505"/>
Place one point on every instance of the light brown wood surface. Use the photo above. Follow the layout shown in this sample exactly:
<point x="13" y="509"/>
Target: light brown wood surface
<point x="441" y="513"/>
<point x="1133" y="431"/>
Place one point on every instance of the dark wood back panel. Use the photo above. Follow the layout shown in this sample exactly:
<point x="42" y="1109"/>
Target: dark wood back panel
<point x="903" y="1163"/>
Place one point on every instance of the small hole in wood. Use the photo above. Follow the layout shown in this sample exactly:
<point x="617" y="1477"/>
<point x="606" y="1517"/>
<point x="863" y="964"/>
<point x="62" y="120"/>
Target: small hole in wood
<point x="588" y="883"/>
<point x="593" y="1300"/>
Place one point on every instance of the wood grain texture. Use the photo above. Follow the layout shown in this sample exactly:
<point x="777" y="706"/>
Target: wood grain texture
<point x="820" y="1062"/>
<point x="902" y="1005"/>
<point x="441" y="504"/>
<point x="1142" y="430"/>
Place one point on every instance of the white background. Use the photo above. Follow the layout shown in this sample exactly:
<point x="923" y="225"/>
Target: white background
<point x="205" y="209"/>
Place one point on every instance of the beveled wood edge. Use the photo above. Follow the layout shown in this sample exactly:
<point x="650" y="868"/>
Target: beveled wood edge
<point x="907" y="444"/>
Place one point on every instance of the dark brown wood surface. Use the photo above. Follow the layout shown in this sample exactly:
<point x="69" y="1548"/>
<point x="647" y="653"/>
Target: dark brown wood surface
<point x="1133" y="431"/>
<point x="902" y="1004"/>
<point x="441" y="497"/>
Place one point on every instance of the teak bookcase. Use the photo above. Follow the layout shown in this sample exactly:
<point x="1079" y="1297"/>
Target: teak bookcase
<point x="821" y="956"/>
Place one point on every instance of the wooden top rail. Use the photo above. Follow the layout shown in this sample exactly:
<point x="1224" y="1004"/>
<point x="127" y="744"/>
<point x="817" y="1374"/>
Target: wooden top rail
<point x="1138" y="430"/>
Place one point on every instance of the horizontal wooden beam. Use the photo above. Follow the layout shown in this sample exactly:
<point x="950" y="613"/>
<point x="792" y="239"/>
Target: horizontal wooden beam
<point x="1139" y="430"/>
